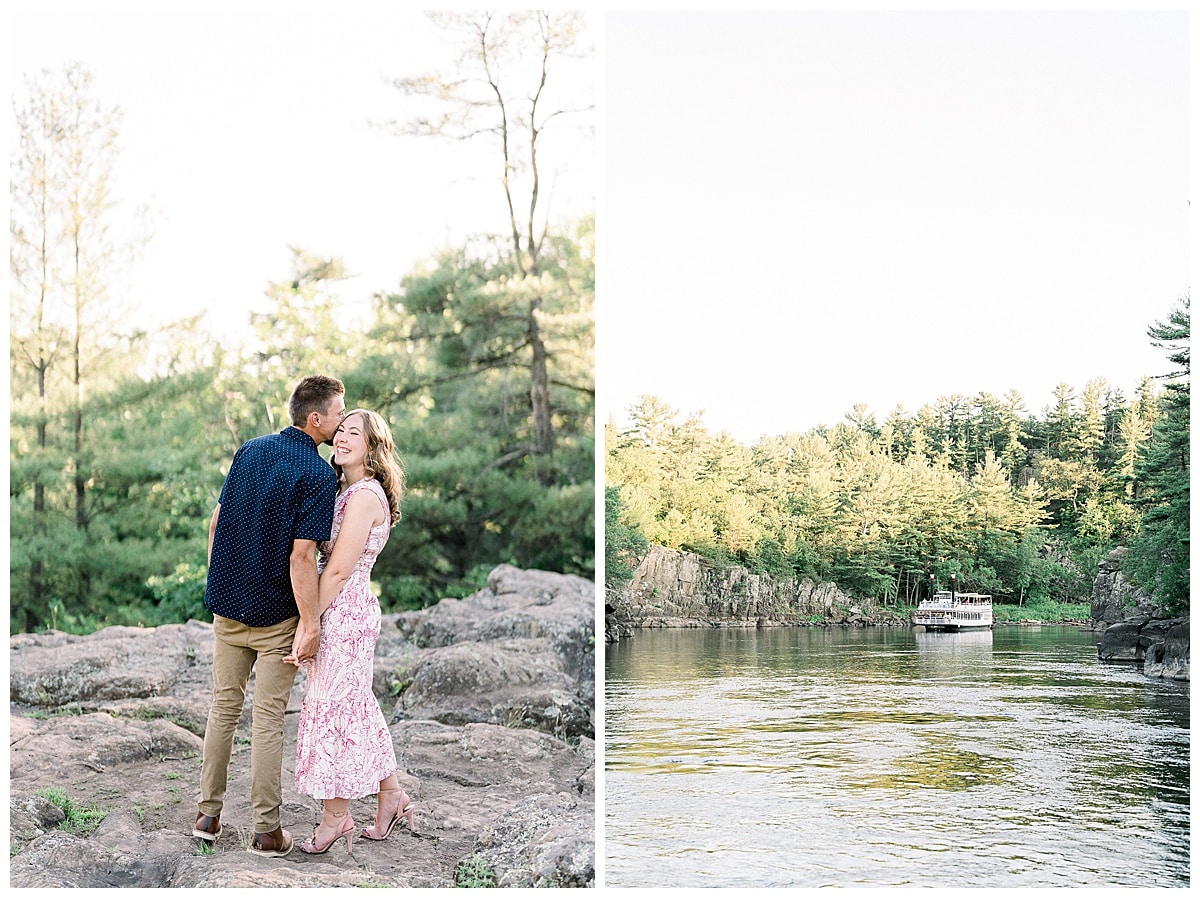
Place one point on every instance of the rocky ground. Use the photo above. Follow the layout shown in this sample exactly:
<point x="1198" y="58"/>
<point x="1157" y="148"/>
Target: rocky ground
<point x="492" y="702"/>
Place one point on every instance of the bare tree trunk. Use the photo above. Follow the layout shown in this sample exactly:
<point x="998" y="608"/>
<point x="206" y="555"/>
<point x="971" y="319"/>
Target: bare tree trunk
<point x="77" y="462"/>
<point x="539" y="394"/>
<point x="37" y="566"/>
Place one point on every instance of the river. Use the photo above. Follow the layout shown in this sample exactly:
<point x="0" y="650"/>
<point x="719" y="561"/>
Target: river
<point x="878" y="756"/>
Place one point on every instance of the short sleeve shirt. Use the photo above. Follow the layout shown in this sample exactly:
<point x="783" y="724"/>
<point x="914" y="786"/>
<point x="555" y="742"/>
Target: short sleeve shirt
<point x="278" y="490"/>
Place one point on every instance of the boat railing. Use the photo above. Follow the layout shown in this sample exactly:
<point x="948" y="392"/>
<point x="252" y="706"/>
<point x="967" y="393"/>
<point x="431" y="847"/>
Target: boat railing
<point x="949" y="600"/>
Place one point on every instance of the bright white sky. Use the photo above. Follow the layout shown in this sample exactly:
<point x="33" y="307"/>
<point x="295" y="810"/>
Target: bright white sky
<point x="798" y="211"/>
<point x="802" y="211"/>
<point x="247" y="128"/>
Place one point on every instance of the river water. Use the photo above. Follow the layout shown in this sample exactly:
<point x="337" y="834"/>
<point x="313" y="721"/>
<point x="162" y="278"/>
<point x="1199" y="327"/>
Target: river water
<point x="890" y="756"/>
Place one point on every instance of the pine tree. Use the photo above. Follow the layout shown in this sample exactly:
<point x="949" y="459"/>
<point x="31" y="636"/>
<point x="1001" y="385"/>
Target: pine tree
<point x="1160" y="552"/>
<point x="67" y="249"/>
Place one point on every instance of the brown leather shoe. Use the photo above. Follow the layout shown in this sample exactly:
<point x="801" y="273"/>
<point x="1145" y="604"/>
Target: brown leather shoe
<point x="276" y="843"/>
<point x="207" y="828"/>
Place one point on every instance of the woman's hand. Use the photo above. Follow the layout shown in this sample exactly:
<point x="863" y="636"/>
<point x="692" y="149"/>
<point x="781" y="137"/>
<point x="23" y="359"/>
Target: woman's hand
<point x="304" y="644"/>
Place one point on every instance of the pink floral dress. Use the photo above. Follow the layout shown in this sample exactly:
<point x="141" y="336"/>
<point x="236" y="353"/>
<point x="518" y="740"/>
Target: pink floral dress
<point x="343" y="745"/>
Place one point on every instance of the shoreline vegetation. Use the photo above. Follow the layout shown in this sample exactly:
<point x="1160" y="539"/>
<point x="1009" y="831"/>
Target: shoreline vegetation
<point x="671" y="589"/>
<point x="1059" y="614"/>
<point x="679" y="590"/>
<point x="968" y="490"/>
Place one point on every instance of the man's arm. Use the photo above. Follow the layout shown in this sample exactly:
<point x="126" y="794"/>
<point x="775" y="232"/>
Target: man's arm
<point x="303" y="565"/>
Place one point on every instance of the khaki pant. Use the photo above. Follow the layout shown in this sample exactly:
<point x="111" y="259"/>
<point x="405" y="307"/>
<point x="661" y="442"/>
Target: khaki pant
<point x="238" y="649"/>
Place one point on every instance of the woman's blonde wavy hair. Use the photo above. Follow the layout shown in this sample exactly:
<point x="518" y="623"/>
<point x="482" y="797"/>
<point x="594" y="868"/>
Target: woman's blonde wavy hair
<point x="381" y="461"/>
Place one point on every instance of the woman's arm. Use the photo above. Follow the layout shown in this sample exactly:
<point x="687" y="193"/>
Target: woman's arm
<point x="362" y="513"/>
<point x="212" y="530"/>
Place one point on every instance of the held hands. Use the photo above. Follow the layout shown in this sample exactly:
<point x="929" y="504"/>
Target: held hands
<point x="304" y="645"/>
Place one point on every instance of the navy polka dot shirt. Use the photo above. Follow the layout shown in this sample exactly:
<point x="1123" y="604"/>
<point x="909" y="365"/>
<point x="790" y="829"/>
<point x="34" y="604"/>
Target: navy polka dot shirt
<point x="279" y="489"/>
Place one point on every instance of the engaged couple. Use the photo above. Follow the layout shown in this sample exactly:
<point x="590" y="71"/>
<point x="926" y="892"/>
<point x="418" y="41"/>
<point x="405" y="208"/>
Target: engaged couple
<point x="291" y="545"/>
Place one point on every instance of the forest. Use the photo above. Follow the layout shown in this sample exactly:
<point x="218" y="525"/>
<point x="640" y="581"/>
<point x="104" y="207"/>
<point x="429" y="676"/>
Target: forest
<point x="1018" y="505"/>
<point x="481" y="359"/>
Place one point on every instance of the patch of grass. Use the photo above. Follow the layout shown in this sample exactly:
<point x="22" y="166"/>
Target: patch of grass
<point x="245" y="837"/>
<point x="145" y="713"/>
<point x="516" y="718"/>
<point x="65" y="711"/>
<point x="81" y="819"/>
<point x="204" y="849"/>
<point x="172" y="775"/>
<point x="474" y="873"/>
<point x="401" y="676"/>
<point x="1047" y="610"/>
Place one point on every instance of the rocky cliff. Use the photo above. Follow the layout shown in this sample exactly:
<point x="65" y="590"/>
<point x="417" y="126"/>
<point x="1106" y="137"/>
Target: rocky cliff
<point x="677" y="589"/>
<point x="492" y="702"/>
<point x="1134" y="629"/>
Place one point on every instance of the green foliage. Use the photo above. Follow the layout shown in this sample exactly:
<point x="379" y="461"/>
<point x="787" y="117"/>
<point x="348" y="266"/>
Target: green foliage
<point x="481" y="492"/>
<point x="1022" y="508"/>
<point x="482" y="361"/>
<point x="441" y="360"/>
<point x="624" y="545"/>
<point x="1160" y="554"/>
<point x="474" y="873"/>
<point x="1047" y="611"/>
<point x="179" y="595"/>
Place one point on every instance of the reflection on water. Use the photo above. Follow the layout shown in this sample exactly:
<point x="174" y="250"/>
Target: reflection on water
<point x="810" y="757"/>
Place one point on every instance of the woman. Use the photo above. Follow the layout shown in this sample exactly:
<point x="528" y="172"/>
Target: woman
<point x="343" y="746"/>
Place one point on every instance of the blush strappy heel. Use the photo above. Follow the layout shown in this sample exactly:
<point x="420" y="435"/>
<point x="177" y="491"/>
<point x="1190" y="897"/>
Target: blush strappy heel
<point x="404" y="811"/>
<point x="345" y="828"/>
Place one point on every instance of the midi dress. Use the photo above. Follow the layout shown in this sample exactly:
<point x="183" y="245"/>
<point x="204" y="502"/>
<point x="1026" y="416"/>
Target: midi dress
<point x="343" y="745"/>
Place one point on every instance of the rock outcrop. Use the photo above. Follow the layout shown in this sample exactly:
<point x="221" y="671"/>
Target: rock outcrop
<point x="677" y="589"/>
<point x="493" y="717"/>
<point x="1133" y="627"/>
<point x="1114" y="597"/>
<point x="1162" y="648"/>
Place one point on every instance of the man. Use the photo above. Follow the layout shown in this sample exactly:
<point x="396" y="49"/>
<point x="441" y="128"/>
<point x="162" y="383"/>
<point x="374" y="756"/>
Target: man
<point x="275" y="506"/>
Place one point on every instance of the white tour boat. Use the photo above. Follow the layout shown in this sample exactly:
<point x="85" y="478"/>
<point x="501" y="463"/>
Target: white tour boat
<point x="955" y="611"/>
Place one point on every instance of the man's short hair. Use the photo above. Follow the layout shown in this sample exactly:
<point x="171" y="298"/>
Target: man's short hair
<point x="313" y="394"/>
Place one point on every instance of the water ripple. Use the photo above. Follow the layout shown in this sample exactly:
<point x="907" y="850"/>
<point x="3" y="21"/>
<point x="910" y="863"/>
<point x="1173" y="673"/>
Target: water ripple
<point x="813" y="758"/>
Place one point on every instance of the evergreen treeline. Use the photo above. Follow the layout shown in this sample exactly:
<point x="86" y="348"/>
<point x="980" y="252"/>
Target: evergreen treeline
<point x="1020" y="506"/>
<point x="109" y="523"/>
